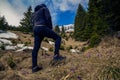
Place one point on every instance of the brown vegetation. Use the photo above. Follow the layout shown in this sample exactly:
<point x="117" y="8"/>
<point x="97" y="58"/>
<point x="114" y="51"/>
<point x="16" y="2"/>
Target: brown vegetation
<point x="100" y="63"/>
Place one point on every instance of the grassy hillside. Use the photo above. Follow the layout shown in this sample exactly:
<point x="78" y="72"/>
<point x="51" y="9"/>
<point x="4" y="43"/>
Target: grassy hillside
<point x="99" y="63"/>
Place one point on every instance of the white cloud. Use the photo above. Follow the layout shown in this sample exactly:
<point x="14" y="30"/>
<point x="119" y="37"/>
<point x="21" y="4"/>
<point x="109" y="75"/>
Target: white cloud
<point x="56" y="6"/>
<point x="13" y="10"/>
<point x="65" y="5"/>
<point x="18" y="6"/>
<point x="70" y="5"/>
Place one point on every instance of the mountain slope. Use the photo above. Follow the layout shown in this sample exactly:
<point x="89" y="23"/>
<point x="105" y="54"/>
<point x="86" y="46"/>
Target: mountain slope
<point x="89" y="65"/>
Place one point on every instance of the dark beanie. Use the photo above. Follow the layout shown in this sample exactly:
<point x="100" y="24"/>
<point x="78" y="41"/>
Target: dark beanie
<point x="39" y="6"/>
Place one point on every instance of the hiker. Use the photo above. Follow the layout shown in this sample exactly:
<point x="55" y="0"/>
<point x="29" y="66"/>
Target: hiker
<point x="42" y="23"/>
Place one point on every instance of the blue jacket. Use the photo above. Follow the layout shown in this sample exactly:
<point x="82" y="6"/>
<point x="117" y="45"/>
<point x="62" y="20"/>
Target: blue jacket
<point x="42" y="17"/>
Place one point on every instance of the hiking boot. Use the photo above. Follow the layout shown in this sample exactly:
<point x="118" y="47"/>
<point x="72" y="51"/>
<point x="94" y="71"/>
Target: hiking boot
<point x="58" y="58"/>
<point x="36" y="69"/>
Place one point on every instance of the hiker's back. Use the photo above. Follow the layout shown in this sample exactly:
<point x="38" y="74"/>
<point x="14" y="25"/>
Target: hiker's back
<point x="39" y="17"/>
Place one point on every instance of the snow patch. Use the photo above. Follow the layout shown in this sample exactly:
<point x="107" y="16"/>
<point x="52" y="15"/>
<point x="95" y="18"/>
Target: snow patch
<point x="1" y="31"/>
<point x="10" y="47"/>
<point x="25" y="48"/>
<point x="68" y="28"/>
<point x="6" y="42"/>
<point x="74" y="51"/>
<point x="51" y="43"/>
<point x="44" y="48"/>
<point x="20" y="45"/>
<point x="8" y="35"/>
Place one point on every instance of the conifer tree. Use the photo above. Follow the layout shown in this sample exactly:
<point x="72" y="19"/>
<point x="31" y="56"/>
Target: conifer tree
<point x="102" y="18"/>
<point x="3" y="23"/>
<point x="79" y="22"/>
<point x="57" y="29"/>
<point x="97" y="18"/>
<point x="63" y="30"/>
<point x="25" y="23"/>
<point x="111" y="12"/>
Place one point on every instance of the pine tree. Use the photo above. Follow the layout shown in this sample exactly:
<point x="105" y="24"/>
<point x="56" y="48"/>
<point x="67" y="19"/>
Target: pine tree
<point x="99" y="24"/>
<point x="63" y="30"/>
<point x="105" y="16"/>
<point x="57" y="29"/>
<point x="101" y="19"/>
<point x="25" y="23"/>
<point x="79" y="22"/>
<point x="3" y="23"/>
<point x="111" y="13"/>
<point x="116" y="9"/>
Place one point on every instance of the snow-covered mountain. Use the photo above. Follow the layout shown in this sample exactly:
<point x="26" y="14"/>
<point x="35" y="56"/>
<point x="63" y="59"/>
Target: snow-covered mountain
<point x="68" y="28"/>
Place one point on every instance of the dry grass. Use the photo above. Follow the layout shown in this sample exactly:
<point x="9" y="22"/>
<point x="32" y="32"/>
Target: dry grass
<point x="100" y="63"/>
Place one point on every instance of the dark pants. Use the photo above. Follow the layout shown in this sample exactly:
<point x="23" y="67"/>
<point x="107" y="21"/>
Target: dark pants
<point x="39" y="33"/>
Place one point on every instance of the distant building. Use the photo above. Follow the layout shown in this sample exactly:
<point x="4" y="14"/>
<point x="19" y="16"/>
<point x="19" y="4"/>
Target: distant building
<point x="68" y="28"/>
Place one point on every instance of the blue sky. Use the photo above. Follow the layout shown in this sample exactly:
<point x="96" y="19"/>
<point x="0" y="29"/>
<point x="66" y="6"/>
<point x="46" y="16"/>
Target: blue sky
<point x="62" y="11"/>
